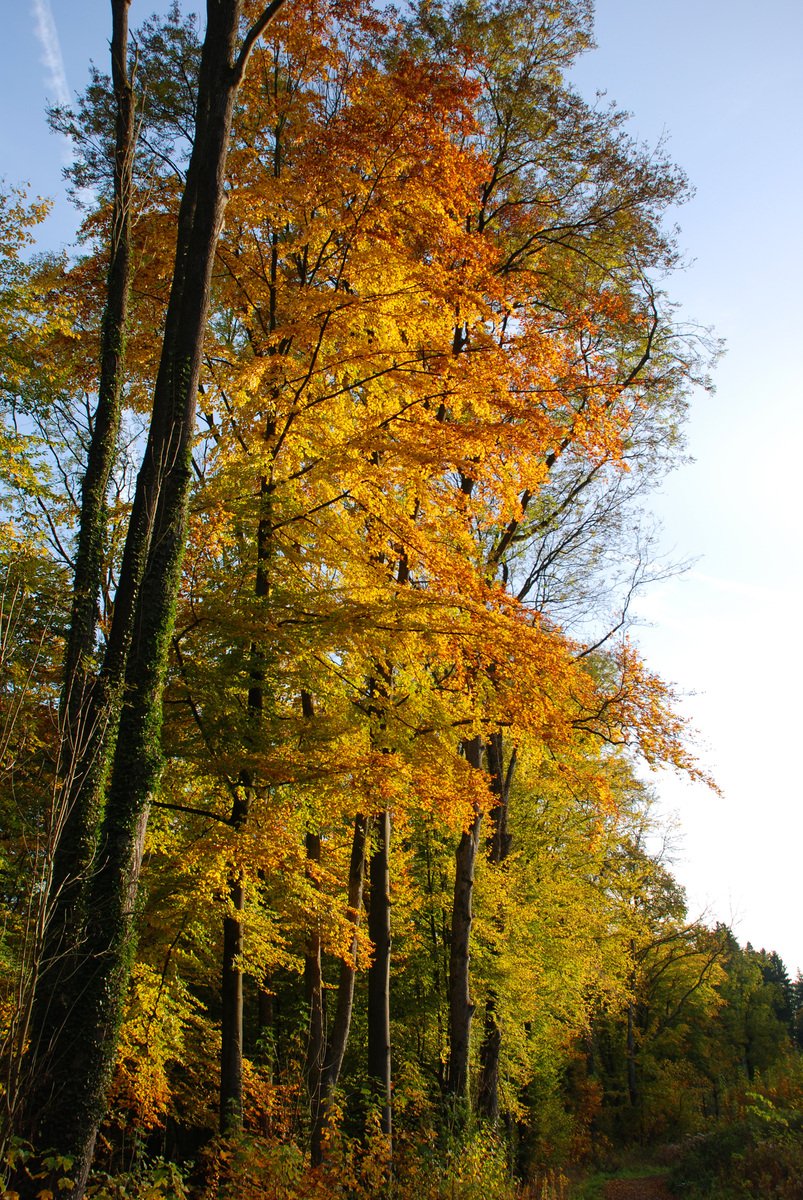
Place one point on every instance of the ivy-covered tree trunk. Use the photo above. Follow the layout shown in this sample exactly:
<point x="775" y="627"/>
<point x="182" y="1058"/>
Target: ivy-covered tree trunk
<point x="74" y="835"/>
<point x="67" y="1102"/>
<point x="461" y="1008"/>
<point x="92" y="530"/>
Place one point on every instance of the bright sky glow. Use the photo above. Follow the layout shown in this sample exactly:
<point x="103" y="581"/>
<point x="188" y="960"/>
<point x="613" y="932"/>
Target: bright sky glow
<point x="722" y="80"/>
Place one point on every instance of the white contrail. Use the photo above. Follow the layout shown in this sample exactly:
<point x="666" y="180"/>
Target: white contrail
<point x="52" y="60"/>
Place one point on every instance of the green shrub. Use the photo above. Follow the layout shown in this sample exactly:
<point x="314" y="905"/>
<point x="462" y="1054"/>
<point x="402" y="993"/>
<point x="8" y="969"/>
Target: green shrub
<point x="759" y="1156"/>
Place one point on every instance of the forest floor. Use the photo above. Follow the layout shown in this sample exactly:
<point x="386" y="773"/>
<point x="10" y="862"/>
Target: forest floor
<point x="650" y="1187"/>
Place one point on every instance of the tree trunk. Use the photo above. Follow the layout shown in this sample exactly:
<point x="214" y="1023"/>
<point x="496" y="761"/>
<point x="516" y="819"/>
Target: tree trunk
<point x="231" y="983"/>
<point x="461" y="1009"/>
<point x="488" y="1087"/>
<point x="439" y="943"/>
<point x="92" y="529"/>
<point x="266" y="1023"/>
<point x="231" y="1020"/>
<point x="379" y="1066"/>
<point x="67" y="1101"/>
<point x="632" y="1078"/>
<point x="341" y="1025"/>
<point x="313" y="978"/>
<point x="231" y="1017"/>
<point x="499" y="842"/>
<point x="73" y="837"/>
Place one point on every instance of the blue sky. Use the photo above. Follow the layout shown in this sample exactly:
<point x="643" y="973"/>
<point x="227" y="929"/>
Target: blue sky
<point x="722" y="81"/>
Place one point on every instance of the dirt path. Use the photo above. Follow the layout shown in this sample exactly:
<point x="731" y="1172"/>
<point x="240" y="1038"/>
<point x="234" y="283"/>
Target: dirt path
<point x="652" y="1187"/>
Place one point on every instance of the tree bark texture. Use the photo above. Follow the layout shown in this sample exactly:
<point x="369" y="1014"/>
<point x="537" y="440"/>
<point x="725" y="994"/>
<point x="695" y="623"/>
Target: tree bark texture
<point x="67" y="1101"/>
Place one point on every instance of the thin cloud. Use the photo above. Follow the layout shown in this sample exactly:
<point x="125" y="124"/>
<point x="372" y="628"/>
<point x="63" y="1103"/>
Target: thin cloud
<point x="53" y="62"/>
<point x="51" y="57"/>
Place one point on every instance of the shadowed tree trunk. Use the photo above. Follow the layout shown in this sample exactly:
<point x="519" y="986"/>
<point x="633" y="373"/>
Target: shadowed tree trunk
<point x="324" y="1056"/>
<point x="379" y="1064"/>
<point x="231" y="982"/>
<point x="266" y="1023"/>
<point x="313" y="979"/>
<point x="499" y="841"/>
<point x="461" y="1008"/>
<point x="338" y="1040"/>
<point x="231" y="1020"/>
<point x="631" y="1046"/>
<point x="66" y="1102"/>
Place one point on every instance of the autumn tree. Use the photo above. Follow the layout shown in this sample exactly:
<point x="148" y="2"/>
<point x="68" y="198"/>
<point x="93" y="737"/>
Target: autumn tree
<point x="573" y="210"/>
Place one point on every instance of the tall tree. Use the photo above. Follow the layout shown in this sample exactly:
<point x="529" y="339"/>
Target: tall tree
<point x="82" y="715"/>
<point x="75" y="1051"/>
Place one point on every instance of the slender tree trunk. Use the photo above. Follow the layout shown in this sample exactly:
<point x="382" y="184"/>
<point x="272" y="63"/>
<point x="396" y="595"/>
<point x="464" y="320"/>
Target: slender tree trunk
<point x="379" y="1064"/>
<point x="92" y="529"/>
<point x="499" y="842"/>
<point x="266" y="1023"/>
<point x="68" y="1101"/>
<point x="232" y="1006"/>
<point x="338" y="1040"/>
<point x="231" y="1020"/>
<point x="632" y="1077"/>
<point x="81" y="716"/>
<point x="439" y="941"/>
<point x="231" y="978"/>
<point x="313" y="978"/>
<point x="461" y="1008"/>
<point x="73" y="836"/>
